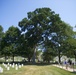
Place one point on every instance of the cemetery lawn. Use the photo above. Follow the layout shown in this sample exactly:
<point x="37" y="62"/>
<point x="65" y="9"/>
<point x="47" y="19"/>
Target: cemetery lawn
<point x="37" y="70"/>
<point x="75" y="66"/>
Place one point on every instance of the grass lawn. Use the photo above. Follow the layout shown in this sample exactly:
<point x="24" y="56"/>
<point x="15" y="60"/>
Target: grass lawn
<point x="75" y="66"/>
<point x="37" y="70"/>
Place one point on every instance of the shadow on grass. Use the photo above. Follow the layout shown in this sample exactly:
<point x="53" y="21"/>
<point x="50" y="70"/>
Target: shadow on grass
<point x="74" y="72"/>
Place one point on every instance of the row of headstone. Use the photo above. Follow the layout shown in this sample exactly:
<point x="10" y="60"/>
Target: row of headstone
<point x="7" y="66"/>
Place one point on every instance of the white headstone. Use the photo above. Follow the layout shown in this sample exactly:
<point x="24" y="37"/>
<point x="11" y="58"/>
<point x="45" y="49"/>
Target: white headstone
<point x="10" y="65"/>
<point x="5" y="66"/>
<point x="1" y="70"/>
<point x="16" y="67"/>
<point x="8" y="68"/>
<point x="13" y="66"/>
<point x="19" y="66"/>
<point x="6" y="60"/>
<point x="22" y="65"/>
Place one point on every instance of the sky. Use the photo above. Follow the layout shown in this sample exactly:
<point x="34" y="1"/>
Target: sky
<point x="13" y="11"/>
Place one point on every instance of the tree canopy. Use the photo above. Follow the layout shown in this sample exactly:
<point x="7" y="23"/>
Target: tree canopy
<point x="41" y="27"/>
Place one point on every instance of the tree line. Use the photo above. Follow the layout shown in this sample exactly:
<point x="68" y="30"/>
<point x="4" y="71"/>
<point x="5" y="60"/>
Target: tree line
<point x="42" y="27"/>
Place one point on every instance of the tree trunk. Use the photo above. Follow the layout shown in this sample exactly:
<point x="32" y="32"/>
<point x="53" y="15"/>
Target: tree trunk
<point x="59" y="57"/>
<point x="48" y="61"/>
<point x="13" y="57"/>
<point x="5" y="58"/>
<point x="75" y="59"/>
<point x="34" y="55"/>
<point x="29" y="59"/>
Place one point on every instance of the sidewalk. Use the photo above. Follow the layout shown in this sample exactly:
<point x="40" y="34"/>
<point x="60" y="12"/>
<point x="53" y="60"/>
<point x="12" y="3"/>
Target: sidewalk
<point x="64" y="67"/>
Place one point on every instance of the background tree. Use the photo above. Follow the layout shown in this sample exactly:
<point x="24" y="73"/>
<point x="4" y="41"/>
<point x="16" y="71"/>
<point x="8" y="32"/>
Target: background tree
<point x="25" y="49"/>
<point x="71" y="48"/>
<point x="62" y="32"/>
<point x="11" y="40"/>
<point x="6" y="52"/>
<point x="1" y="37"/>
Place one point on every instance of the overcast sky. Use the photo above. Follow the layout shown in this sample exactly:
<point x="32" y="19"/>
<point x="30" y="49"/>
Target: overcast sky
<point x="13" y="11"/>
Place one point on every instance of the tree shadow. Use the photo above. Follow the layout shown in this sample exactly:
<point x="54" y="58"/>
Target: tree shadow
<point x="74" y="72"/>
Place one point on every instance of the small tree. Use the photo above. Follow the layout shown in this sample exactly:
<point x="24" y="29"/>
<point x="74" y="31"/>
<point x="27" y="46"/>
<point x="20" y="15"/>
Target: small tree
<point x="10" y="40"/>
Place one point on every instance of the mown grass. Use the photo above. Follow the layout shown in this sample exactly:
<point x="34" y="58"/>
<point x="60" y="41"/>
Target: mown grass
<point x="37" y="70"/>
<point x="75" y="66"/>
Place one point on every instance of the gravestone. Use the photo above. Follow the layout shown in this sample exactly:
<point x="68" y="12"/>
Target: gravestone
<point x="19" y="66"/>
<point x="8" y="68"/>
<point x="5" y="65"/>
<point x="10" y="65"/>
<point x="13" y="66"/>
<point x="16" y="65"/>
<point x="1" y="70"/>
<point x="22" y="65"/>
<point x="16" y="68"/>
